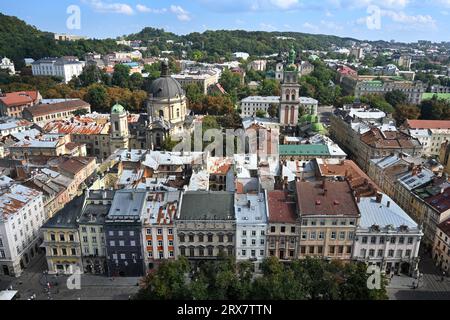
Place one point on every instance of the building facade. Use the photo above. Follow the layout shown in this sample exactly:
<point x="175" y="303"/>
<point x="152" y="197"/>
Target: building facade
<point x="61" y="110"/>
<point x="123" y="234"/>
<point x="21" y="216"/>
<point x="158" y="233"/>
<point x="413" y="90"/>
<point x="251" y="227"/>
<point x="206" y="225"/>
<point x="97" y="204"/>
<point x="283" y="240"/>
<point x="66" y="67"/>
<point x="62" y="241"/>
<point x="328" y="217"/>
<point x="12" y="104"/>
<point x="387" y="237"/>
<point x="441" y="248"/>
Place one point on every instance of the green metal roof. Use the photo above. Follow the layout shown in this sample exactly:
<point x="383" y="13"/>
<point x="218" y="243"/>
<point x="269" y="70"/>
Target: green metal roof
<point x="373" y="82"/>
<point x="317" y="127"/>
<point x="117" y="108"/>
<point x="440" y="96"/>
<point x="304" y="150"/>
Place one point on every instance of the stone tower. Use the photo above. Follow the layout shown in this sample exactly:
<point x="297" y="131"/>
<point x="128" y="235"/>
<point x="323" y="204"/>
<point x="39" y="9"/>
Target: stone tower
<point x="290" y="99"/>
<point x="119" y="134"/>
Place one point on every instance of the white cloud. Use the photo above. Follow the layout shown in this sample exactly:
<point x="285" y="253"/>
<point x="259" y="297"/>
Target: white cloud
<point x="358" y="4"/>
<point x="416" y="21"/>
<point x="443" y="3"/>
<point x="144" y="9"/>
<point x="104" y="7"/>
<point x="284" y="4"/>
<point x="267" y="26"/>
<point x="331" y="25"/>
<point x="181" y="14"/>
<point x="310" y="26"/>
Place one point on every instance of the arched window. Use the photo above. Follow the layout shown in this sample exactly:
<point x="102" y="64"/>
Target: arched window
<point x="286" y="115"/>
<point x="288" y="92"/>
<point x="292" y="114"/>
<point x="178" y="113"/>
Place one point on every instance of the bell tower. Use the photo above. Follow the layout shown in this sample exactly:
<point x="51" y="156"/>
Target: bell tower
<point x="119" y="133"/>
<point x="290" y="99"/>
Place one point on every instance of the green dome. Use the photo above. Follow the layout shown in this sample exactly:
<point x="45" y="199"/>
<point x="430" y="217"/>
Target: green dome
<point x="117" y="108"/>
<point x="317" y="127"/>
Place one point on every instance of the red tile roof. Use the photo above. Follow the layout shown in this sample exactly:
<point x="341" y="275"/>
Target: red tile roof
<point x="441" y="201"/>
<point x="45" y="109"/>
<point x="388" y="139"/>
<point x="75" y="164"/>
<point x="281" y="207"/>
<point x="331" y="198"/>
<point x="19" y="98"/>
<point x="359" y="181"/>
<point x="428" y="124"/>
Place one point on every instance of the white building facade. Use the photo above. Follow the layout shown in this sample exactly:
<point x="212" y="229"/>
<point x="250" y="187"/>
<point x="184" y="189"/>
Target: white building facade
<point x="386" y="236"/>
<point x="21" y="216"/>
<point x="252" y="104"/>
<point x="65" y="68"/>
<point x="251" y="227"/>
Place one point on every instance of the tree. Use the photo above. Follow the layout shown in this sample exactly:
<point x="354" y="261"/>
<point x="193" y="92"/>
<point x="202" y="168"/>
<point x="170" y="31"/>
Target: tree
<point x="121" y="76"/>
<point x="91" y="74"/>
<point x="395" y="98"/>
<point x="169" y="144"/>
<point x="435" y="109"/>
<point x="197" y="55"/>
<point x="97" y="97"/>
<point x="153" y="70"/>
<point x="194" y="93"/>
<point x="378" y="102"/>
<point x="80" y="112"/>
<point x="269" y="87"/>
<point x="230" y="81"/>
<point x="136" y="81"/>
<point x="404" y="112"/>
<point x="273" y="110"/>
<point x="168" y="283"/>
<point x="261" y="114"/>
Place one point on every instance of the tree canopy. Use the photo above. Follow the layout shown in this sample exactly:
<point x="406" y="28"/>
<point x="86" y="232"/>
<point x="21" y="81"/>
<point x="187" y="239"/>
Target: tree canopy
<point x="225" y="279"/>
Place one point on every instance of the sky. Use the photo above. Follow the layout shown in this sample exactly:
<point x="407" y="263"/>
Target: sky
<point x="400" y="20"/>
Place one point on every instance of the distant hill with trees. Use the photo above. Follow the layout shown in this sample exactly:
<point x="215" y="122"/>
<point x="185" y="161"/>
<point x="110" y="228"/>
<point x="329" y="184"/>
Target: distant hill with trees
<point x="19" y="40"/>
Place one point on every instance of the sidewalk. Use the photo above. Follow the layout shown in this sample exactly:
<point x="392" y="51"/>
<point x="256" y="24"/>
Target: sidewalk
<point x="402" y="282"/>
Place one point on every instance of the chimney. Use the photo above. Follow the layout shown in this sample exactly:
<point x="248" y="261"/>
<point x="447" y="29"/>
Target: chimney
<point x="358" y="198"/>
<point x="379" y="197"/>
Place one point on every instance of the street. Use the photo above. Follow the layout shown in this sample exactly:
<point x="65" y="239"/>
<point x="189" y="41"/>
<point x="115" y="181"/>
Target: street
<point x="430" y="288"/>
<point x="33" y="282"/>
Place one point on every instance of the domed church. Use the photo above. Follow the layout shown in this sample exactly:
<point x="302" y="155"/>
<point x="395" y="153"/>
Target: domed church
<point x="166" y="108"/>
